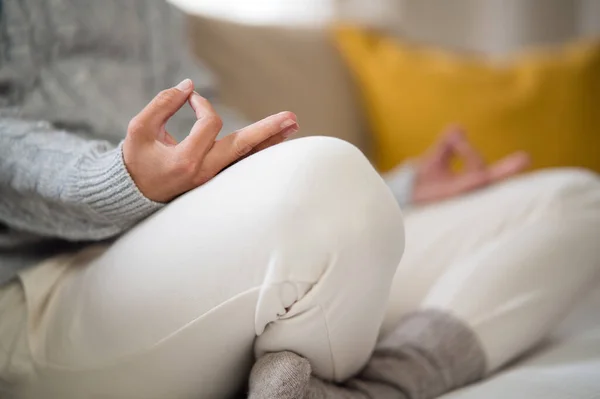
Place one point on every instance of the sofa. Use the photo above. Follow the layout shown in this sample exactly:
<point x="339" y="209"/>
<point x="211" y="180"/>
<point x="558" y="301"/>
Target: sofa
<point x="264" y="68"/>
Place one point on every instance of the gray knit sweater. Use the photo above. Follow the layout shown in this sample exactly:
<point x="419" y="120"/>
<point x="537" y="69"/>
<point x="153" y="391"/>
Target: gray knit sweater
<point x="72" y="74"/>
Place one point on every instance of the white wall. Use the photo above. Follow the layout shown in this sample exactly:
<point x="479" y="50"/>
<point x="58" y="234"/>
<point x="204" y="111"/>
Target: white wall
<point x="268" y="12"/>
<point x="493" y="27"/>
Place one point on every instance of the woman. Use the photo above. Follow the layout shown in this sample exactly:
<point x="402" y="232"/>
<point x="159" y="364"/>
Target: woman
<point x="292" y="247"/>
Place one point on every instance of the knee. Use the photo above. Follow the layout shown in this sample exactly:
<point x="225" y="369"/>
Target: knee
<point x="558" y="180"/>
<point x="328" y="202"/>
<point x="339" y="230"/>
<point x="567" y="189"/>
<point x="556" y="192"/>
<point x="332" y="193"/>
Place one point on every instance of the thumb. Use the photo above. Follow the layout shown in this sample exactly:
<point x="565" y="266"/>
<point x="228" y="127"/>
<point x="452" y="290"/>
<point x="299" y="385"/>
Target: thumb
<point x="165" y="105"/>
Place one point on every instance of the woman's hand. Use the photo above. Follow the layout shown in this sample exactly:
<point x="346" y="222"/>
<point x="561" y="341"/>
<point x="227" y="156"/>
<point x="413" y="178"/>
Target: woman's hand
<point x="436" y="181"/>
<point x="164" y="169"/>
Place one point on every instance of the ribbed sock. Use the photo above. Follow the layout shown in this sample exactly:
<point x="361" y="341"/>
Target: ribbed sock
<point x="428" y="354"/>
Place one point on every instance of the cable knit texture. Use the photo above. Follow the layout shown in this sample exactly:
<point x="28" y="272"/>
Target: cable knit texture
<point x="72" y="74"/>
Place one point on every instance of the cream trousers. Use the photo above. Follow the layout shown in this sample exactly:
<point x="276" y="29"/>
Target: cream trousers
<point x="297" y="248"/>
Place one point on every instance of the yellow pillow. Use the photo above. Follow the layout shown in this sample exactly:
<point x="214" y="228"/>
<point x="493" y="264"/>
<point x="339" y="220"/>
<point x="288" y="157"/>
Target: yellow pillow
<point x="547" y="103"/>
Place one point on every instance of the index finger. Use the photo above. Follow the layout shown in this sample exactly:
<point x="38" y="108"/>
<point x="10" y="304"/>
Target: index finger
<point x="472" y="180"/>
<point x="163" y="106"/>
<point x="206" y="128"/>
<point x="509" y="166"/>
<point x="461" y="146"/>
<point x="200" y="105"/>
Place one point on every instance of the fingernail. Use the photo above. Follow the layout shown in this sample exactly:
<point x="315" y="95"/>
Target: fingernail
<point x="184" y="85"/>
<point x="287" y="123"/>
<point x="289" y="130"/>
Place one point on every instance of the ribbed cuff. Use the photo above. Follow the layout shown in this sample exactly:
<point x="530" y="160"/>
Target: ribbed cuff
<point x="106" y="187"/>
<point x="401" y="181"/>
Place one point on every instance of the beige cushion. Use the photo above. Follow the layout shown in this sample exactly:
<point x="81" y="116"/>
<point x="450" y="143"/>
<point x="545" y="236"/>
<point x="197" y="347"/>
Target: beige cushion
<point x="264" y="70"/>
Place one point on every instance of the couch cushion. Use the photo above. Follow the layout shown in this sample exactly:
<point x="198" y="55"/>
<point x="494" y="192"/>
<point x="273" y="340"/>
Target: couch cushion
<point x="567" y="366"/>
<point x="262" y="70"/>
<point x="545" y="103"/>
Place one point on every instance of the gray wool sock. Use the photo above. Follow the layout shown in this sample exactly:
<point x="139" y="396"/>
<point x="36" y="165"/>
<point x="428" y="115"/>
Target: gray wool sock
<point x="280" y="375"/>
<point x="427" y="355"/>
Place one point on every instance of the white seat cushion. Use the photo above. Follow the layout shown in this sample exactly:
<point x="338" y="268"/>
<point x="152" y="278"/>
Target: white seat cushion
<point x="565" y="367"/>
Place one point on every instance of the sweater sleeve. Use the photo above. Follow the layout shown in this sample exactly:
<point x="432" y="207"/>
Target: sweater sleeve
<point x="401" y="181"/>
<point x="56" y="184"/>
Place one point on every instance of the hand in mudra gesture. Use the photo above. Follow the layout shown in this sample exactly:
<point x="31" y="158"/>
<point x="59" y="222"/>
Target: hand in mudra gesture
<point x="435" y="179"/>
<point x="164" y="169"/>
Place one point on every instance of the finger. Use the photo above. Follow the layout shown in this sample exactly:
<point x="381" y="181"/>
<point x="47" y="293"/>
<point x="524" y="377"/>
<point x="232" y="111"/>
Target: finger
<point x="468" y="181"/>
<point x="270" y="142"/>
<point x="440" y="155"/>
<point x="277" y="139"/>
<point x="442" y="149"/>
<point x="241" y="143"/>
<point x="206" y="129"/>
<point x="164" y="106"/>
<point x="202" y="137"/>
<point x="201" y="106"/>
<point x="461" y="146"/>
<point x="451" y="187"/>
<point x="509" y="166"/>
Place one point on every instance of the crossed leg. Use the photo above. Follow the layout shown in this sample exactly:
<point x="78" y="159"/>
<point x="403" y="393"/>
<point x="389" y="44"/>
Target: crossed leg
<point x="484" y="278"/>
<point x="293" y="248"/>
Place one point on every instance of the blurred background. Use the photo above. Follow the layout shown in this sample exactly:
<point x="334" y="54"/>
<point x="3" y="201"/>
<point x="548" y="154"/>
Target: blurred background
<point x="385" y="75"/>
<point x="389" y="75"/>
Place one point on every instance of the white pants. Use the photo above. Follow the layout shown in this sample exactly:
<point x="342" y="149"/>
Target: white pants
<point x="296" y="248"/>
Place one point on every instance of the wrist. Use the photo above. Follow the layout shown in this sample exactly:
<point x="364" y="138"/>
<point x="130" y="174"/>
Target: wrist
<point x="106" y="187"/>
<point x="401" y="182"/>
